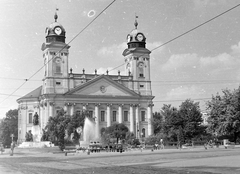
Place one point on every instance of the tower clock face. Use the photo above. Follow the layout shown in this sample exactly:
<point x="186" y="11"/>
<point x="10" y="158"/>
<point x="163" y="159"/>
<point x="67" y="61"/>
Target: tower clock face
<point x="140" y="37"/>
<point x="58" y="30"/>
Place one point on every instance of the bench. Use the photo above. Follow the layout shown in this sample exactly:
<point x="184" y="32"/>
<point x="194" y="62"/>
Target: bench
<point x="69" y="149"/>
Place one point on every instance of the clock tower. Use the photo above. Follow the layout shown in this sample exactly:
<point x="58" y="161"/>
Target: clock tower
<point x="55" y="55"/>
<point x="137" y="61"/>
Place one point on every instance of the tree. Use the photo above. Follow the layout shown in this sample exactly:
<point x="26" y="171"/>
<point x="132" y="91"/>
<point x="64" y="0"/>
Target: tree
<point x="224" y="114"/>
<point x="61" y="126"/>
<point x="190" y="119"/>
<point x="117" y="130"/>
<point x="158" y="122"/>
<point x="9" y="125"/>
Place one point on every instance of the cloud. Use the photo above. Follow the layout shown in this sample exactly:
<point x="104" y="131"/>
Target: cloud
<point x="185" y="92"/>
<point x="181" y="62"/>
<point x="113" y="52"/>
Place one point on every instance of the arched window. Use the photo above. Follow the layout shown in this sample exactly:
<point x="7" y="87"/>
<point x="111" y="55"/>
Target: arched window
<point x="141" y="69"/>
<point x="143" y="133"/>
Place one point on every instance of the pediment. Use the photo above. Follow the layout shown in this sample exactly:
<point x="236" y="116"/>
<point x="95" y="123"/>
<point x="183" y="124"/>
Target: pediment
<point x="102" y="86"/>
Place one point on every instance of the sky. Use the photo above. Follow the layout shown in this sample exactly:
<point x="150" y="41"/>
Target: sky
<point x="195" y="66"/>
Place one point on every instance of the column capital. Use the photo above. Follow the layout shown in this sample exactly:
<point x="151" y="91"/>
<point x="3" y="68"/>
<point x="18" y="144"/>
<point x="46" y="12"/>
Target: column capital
<point x="97" y="104"/>
<point x="109" y="104"/>
<point x="51" y="103"/>
<point x="84" y="104"/>
<point x="120" y="104"/>
<point x="137" y="105"/>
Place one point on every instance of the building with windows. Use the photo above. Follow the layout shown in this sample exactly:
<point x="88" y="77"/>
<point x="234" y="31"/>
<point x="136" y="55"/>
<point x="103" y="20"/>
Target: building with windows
<point x="109" y="98"/>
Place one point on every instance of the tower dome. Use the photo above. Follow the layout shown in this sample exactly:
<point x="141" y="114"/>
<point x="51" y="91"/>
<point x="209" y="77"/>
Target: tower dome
<point x="136" y="38"/>
<point x="55" y="32"/>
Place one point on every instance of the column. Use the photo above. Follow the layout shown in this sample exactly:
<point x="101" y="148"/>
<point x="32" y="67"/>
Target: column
<point x="131" y="119"/>
<point x="97" y="131"/>
<point x="120" y="118"/>
<point x="41" y="116"/>
<point x="46" y="113"/>
<point x="137" y="121"/>
<point x="72" y="109"/>
<point x="51" y="106"/>
<point x="66" y="108"/>
<point x="149" y="116"/>
<point x="85" y="106"/>
<point x="108" y="116"/>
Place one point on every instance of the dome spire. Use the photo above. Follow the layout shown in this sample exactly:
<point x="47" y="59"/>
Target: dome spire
<point x="136" y="23"/>
<point x="56" y="16"/>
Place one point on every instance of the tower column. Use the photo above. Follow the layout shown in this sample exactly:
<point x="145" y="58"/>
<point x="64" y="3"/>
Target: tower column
<point x="131" y="119"/>
<point x="120" y="120"/>
<point x="149" y="116"/>
<point x="97" y="131"/>
<point x="108" y="116"/>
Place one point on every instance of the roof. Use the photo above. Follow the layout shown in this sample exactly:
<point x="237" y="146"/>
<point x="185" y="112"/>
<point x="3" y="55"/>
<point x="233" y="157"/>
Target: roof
<point x="33" y="94"/>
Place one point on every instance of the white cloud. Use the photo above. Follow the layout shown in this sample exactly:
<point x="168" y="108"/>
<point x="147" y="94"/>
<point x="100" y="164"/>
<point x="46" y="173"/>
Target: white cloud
<point x="113" y="52"/>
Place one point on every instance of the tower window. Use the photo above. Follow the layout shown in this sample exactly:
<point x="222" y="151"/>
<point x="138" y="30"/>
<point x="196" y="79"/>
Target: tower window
<point x="141" y="86"/>
<point x="58" y="83"/>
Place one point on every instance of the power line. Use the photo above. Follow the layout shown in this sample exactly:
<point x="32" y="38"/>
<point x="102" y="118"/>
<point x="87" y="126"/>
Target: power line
<point x="61" y="49"/>
<point x="189" y="30"/>
<point x="17" y="79"/>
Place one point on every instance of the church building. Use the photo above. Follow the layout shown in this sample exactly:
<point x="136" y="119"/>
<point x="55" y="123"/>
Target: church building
<point x="109" y="98"/>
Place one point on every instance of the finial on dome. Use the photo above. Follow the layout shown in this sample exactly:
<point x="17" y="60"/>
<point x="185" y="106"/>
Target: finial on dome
<point x="136" y="23"/>
<point x="56" y="16"/>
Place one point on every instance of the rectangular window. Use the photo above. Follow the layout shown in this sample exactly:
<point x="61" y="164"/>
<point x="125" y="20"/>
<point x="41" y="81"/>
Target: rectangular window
<point x="114" y="116"/>
<point x="125" y="115"/>
<point x="141" y="86"/>
<point x="140" y="75"/>
<point x="102" y="116"/>
<point x="30" y="119"/>
<point x="58" y="83"/>
<point x="78" y="112"/>
<point x="143" y="115"/>
<point x="58" y="69"/>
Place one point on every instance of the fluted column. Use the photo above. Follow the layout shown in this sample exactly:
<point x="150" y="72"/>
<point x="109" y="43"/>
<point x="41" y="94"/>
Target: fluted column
<point x="97" y="131"/>
<point x="137" y="121"/>
<point x="120" y="117"/>
<point x="149" y="116"/>
<point x="108" y="116"/>
<point x="131" y="119"/>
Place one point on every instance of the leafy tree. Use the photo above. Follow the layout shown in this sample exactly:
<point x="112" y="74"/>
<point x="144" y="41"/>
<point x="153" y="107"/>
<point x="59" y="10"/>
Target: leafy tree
<point x="9" y="125"/>
<point x="158" y="122"/>
<point x="190" y="119"/>
<point x="117" y="130"/>
<point x="62" y="126"/>
<point x="224" y="114"/>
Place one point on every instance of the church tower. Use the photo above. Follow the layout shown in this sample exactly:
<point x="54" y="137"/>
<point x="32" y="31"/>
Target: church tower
<point x="137" y="61"/>
<point x="55" y="55"/>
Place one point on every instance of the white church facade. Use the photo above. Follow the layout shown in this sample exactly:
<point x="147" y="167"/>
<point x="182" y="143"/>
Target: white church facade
<point x="108" y="98"/>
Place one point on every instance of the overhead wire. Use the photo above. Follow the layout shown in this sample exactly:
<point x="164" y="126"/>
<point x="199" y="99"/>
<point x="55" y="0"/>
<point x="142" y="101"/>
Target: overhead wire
<point x="61" y="49"/>
<point x="194" y="28"/>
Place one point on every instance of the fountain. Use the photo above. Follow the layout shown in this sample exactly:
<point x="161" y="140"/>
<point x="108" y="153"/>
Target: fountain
<point x="88" y="135"/>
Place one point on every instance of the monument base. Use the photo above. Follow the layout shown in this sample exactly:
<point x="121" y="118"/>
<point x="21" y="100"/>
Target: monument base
<point x="41" y="144"/>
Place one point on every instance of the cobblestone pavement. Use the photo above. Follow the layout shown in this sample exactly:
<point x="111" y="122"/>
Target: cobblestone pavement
<point x="167" y="161"/>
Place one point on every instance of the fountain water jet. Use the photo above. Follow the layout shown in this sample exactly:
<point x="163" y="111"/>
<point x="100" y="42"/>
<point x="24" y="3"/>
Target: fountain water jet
<point x="88" y="133"/>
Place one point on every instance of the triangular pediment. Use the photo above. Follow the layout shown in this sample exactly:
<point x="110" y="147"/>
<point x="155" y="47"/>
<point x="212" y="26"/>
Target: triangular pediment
<point x="102" y="86"/>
